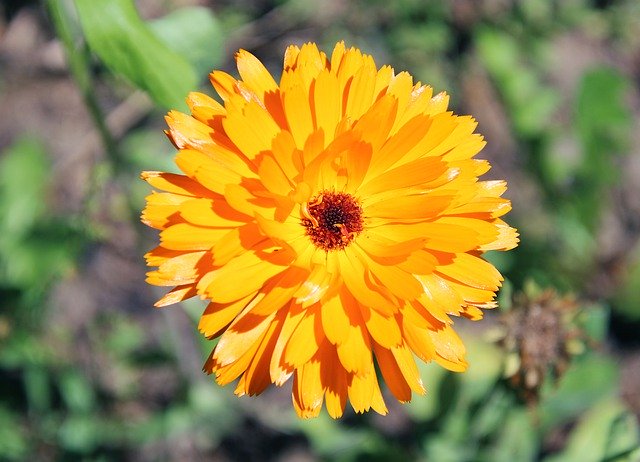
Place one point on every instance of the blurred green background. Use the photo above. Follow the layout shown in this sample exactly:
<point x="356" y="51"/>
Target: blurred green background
<point x="90" y="371"/>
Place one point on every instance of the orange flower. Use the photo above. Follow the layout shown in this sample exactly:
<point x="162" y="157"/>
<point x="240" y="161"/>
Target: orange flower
<point x="334" y="221"/>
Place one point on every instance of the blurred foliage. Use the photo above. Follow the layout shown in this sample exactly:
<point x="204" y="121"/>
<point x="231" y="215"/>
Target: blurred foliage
<point x="35" y="245"/>
<point x="101" y="392"/>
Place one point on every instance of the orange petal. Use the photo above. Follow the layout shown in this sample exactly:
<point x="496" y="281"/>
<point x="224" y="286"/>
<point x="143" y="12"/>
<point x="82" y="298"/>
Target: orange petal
<point x="162" y="210"/>
<point x="240" y="337"/>
<point x="335" y="322"/>
<point x="327" y="102"/>
<point x="241" y="276"/>
<point x="408" y="207"/>
<point x="256" y="378"/>
<point x="204" y="108"/>
<point x="218" y="316"/>
<point x="297" y="109"/>
<point x="177" y="295"/>
<point x="359" y="283"/>
<point x="418" y="172"/>
<point x="472" y="271"/>
<point x="251" y="129"/>
<point x="176" y="184"/>
<point x="188" y="132"/>
<point x="392" y="374"/>
<point x="182" y="269"/>
<point x="336" y="385"/>
<point x="185" y="236"/>
<point x="202" y="212"/>
<point x="278" y="370"/>
<point x="254" y="74"/>
<point x="450" y="350"/>
<point x="305" y="339"/>
<point x="279" y="290"/>
<point x="383" y="329"/>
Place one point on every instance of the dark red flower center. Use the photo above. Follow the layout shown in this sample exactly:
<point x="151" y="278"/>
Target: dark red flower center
<point x="332" y="220"/>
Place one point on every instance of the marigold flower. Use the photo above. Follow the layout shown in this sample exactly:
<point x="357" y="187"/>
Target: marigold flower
<point x="334" y="221"/>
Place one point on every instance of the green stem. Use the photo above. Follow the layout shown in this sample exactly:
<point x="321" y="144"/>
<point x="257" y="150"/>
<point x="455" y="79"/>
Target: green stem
<point x="79" y="66"/>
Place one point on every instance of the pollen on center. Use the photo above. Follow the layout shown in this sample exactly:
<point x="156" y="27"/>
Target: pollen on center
<point x="332" y="220"/>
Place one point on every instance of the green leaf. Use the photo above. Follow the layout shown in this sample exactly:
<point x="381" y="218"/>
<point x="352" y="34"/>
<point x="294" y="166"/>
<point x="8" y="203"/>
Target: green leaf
<point x="627" y="298"/>
<point x="76" y="392"/>
<point x="36" y="384"/>
<point x="13" y="443"/>
<point x="195" y="34"/>
<point x="485" y="367"/>
<point x="530" y="102"/>
<point x="601" y="109"/>
<point x="517" y="438"/>
<point x="603" y="122"/>
<point x="590" y="378"/>
<point x="424" y="408"/>
<point x="606" y="432"/>
<point x="80" y="433"/>
<point x="594" y="320"/>
<point x="24" y="170"/>
<point x="127" y="46"/>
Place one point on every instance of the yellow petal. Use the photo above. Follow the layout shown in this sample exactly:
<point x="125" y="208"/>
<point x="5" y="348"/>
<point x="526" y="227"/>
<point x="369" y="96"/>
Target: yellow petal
<point x="335" y="322"/>
<point x="450" y="350"/>
<point x="252" y="130"/>
<point x="359" y="283"/>
<point x="316" y="286"/>
<point x="272" y="176"/>
<point x="162" y="210"/>
<point x="397" y="281"/>
<point x="361" y="389"/>
<point x="305" y="339"/>
<point x="418" y="172"/>
<point x="355" y="351"/>
<point x="224" y="84"/>
<point x="407" y="365"/>
<point x="507" y="238"/>
<point x="327" y="102"/>
<point x="419" y="340"/>
<point x="411" y="207"/>
<point x="245" y="332"/>
<point x="218" y="316"/>
<point x="278" y="370"/>
<point x="383" y="329"/>
<point x="297" y="109"/>
<point x="256" y="378"/>
<point x="392" y="374"/>
<point x="176" y="184"/>
<point x="361" y="89"/>
<point x="204" y="108"/>
<point x="185" y="236"/>
<point x="176" y="295"/>
<point x="202" y="212"/>
<point x="473" y="271"/>
<point x="235" y="242"/>
<point x="243" y="275"/>
<point x="336" y="392"/>
<point x="254" y="74"/>
<point x="311" y="408"/>
<point x="279" y="290"/>
<point x="179" y="270"/>
<point x="213" y="174"/>
<point x="375" y="124"/>
<point x="188" y="132"/>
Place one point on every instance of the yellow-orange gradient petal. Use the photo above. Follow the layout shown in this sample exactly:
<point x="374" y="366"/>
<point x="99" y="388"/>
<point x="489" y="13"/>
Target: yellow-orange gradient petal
<point x="335" y="221"/>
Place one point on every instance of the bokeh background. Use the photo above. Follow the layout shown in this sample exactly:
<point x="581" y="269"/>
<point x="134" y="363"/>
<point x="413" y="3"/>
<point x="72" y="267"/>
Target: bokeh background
<point x="90" y="371"/>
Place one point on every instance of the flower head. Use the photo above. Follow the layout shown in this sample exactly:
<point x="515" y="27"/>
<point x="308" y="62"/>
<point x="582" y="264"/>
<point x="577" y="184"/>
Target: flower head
<point x="334" y="221"/>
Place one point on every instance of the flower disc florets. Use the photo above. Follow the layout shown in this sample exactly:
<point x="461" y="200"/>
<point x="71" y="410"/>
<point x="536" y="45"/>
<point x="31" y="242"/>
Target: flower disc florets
<point x="332" y="220"/>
